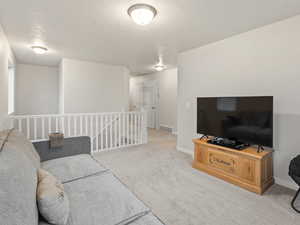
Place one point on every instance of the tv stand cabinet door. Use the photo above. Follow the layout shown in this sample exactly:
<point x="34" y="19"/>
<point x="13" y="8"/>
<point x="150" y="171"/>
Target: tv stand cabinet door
<point x="247" y="169"/>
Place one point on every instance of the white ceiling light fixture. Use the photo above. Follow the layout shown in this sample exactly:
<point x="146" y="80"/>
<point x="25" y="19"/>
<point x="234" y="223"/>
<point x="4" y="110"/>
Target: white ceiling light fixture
<point x="142" y="14"/>
<point x="39" y="49"/>
<point x="159" y="67"/>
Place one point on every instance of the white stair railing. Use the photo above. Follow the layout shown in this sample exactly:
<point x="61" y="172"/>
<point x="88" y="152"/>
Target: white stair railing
<point x="106" y="130"/>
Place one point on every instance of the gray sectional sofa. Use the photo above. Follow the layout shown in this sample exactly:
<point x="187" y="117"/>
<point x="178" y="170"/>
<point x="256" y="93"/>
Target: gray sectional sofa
<point x="96" y="196"/>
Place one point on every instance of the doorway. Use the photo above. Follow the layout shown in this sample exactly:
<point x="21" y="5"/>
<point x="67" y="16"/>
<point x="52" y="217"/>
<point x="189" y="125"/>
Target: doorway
<point x="147" y="98"/>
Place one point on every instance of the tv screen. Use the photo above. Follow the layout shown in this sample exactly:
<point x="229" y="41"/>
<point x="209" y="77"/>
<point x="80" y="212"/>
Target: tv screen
<point x="244" y="119"/>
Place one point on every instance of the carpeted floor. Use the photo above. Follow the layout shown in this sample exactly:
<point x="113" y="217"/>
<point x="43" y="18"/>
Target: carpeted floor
<point x="180" y="195"/>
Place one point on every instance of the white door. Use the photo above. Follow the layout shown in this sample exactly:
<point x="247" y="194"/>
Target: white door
<point x="147" y="99"/>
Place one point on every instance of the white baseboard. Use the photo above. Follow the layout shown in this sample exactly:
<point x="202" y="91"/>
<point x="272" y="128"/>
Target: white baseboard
<point x="168" y="128"/>
<point x="286" y="183"/>
<point x="185" y="150"/>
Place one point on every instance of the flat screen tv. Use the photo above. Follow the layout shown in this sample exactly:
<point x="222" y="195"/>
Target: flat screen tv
<point x="243" y="119"/>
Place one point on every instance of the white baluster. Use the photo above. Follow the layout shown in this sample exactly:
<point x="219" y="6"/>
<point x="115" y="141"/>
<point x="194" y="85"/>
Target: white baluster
<point x="132" y="122"/>
<point x="101" y="131"/>
<point x="69" y="126"/>
<point x="119" y="131"/>
<point x="34" y="129"/>
<point x="81" y="128"/>
<point x="43" y="127"/>
<point x="62" y="121"/>
<point x="115" y="131"/>
<point x="135" y="128"/>
<point x="140" y="128"/>
<point x="91" y="133"/>
<point x="123" y="128"/>
<point x="49" y="125"/>
<point x="28" y="127"/>
<point x="139" y="121"/>
<point x="97" y="133"/>
<point x="56" y="124"/>
<point x="75" y="125"/>
<point x="127" y="128"/>
<point x="130" y="127"/>
<point x="145" y="131"/>
<point x="111" y="125"/>
<point x="106" y="131"/>
<point x="86" y="126"/>
<point x="20" y="125"/>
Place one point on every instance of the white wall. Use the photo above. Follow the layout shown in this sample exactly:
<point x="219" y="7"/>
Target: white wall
<point x="167" y="80"/>
<point x="93" y="87"/>
<point x="36" y="89"/>
<point x="264" y="61"/>
<point x="60" y="89"/>
<point x="6" y="55"/>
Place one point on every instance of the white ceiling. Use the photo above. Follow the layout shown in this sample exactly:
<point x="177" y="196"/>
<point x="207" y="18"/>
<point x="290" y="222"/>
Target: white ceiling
<point x="101" y="30"/>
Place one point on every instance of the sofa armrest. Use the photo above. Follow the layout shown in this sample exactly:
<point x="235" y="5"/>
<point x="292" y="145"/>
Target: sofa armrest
<point x="72" y="146"/>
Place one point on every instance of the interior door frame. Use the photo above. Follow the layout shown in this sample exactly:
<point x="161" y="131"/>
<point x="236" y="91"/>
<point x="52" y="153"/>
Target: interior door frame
<point x="155" y="85"/>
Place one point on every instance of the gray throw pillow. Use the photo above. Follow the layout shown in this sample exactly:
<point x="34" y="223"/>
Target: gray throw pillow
<point x="53" y="203"/>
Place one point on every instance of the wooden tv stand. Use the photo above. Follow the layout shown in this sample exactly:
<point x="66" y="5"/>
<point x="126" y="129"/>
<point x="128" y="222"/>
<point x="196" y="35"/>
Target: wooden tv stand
<point x="247" y="168"/>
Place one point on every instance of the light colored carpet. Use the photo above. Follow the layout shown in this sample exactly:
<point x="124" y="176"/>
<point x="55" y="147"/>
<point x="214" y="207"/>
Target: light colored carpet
<point x="180" y="195"/>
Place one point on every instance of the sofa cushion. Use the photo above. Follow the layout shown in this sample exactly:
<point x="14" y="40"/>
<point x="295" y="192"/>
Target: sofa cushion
<point x="73" y="167"/>
<point x="22" y="144"/>
<point x="52" y="201"/>
<point x="148" y="219"/>
<point x="102" y="200"/>
<point x="18" y="182"/>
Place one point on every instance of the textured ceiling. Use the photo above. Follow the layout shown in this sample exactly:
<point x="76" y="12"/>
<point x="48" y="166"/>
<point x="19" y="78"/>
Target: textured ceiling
<point x="101" y="30"/>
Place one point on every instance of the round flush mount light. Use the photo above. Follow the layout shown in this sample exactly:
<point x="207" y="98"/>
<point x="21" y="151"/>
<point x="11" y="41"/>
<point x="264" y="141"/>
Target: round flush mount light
<point x="39" y="49"/>
<point x="142" y="14"/>
<point x="159" y="67"/>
